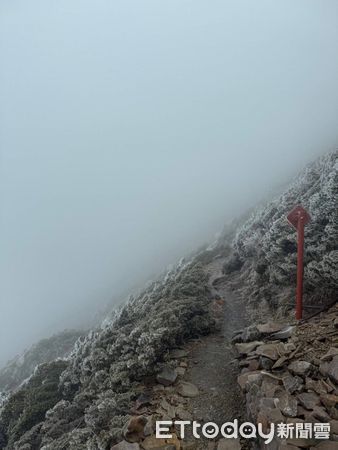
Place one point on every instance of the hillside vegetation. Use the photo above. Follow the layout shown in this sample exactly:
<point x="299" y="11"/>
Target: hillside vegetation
<point x="21" y="367"/>
<point x="265" y="246"/>
<point x="84" y="403"/>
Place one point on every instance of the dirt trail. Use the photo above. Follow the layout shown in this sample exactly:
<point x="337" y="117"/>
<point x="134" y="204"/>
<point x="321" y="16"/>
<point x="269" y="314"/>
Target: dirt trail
<point x="210" y="367"/>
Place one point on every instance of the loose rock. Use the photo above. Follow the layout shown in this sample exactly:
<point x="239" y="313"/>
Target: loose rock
<point x="286" y="333"/>
<point x="167" y="377"/>
<point x="269" y="351"/>
<point x="245" y="348"/>
<point x="293" y="384"/>
<point x="269" y="327"/>
<point x="287" y="404"/>
<point x="329" y="400"/>
<point x="280" y="362"/>
<point x="330" y="354"/>
<point x="187" y="389"/>
<point x="300" y="367"/>
<point x="308" y="399"/>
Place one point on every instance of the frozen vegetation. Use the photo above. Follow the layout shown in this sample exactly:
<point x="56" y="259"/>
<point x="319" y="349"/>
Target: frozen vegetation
<point x="83" y="402"/>
<point x="22" y="366"/>
<point x="92" y="398"/>
<point x="265" y="246"/>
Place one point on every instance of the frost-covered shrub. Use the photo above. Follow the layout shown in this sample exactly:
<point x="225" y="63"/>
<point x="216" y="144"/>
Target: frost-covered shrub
<point x="98" y="384"/>
<point x="21" y="367"/>
<point x="27" y="407"/>
<point x="269" y="242"/>
<point x="232" y="264"/>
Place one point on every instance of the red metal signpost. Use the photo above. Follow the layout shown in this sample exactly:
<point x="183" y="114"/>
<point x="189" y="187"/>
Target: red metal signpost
<point x="298" y="218"/>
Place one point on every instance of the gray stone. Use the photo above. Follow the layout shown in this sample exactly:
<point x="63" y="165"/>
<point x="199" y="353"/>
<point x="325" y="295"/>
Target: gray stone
<point x="287" y="404"/>
<point x="170" y="410"/>
<point x="286" y="333"/>
<point x="245" y="348"/>
<point x="320" y="414"/>
<point x="292" y="384"/>
<point x="269" y="387"/>
<point x="318" y="386"/>
<point x="300" y="367"/>
<point x="187" y="389"/>
<point x="167" y="377"/>
<point x="324" y="368"/>
<point x="308" y="399"/>
<point x="333" y="370"/>
<point x="330" y="354"/>
<point x="268" y="351"/>
<point x="270" y="415"/>
<point x="280" y="362"/>
<point x="269" y="327"/>
<point x="265" y="363"/>
<point x="329" y="400"/>
<point x="245" y="379"/>
<point x="267" y="402"/>
<point x="250" y="334"/>
<point x="289" y="347"/>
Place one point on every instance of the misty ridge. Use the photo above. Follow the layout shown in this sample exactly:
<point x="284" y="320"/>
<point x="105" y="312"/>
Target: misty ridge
<point x="83" y="399"/>
<point x="149" y="155"/>
<point x="131" y="134"/>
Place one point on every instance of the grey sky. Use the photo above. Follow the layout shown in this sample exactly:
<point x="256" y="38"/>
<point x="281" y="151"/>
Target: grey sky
<point x="131" y="130"/>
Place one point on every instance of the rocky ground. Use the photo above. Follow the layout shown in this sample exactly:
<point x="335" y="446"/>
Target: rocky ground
<point x="199" y="382"/>
<point x="290" y="374"/>
<point x="267" y="373"/>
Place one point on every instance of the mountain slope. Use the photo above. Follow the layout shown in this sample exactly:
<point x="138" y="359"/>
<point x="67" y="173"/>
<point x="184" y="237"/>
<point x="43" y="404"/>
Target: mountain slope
<point x="99" y="382"/>
<point x="104" y="372"/>
<point x="21" y="367"/>
<point x="265" y="246"/>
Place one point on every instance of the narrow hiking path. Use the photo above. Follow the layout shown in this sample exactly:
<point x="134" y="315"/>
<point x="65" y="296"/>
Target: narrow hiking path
<point x="210" y="359"/>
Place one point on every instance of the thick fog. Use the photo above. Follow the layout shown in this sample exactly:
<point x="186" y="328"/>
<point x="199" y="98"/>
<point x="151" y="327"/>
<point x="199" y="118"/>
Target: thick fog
<point x="131" y="131"/>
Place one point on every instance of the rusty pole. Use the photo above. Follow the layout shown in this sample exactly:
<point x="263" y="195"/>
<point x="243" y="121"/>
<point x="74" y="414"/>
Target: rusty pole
<point x="300" y="267"/>
<point x="298" y="218"/>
